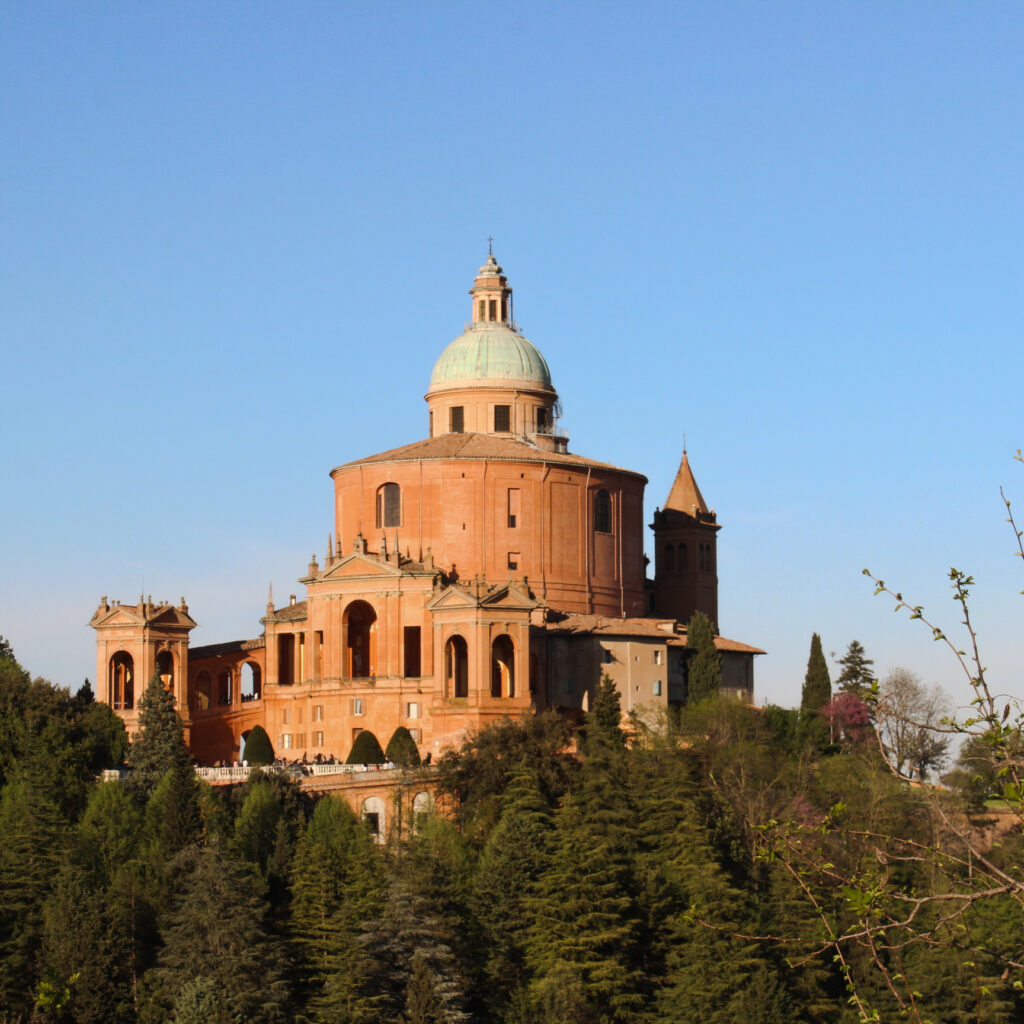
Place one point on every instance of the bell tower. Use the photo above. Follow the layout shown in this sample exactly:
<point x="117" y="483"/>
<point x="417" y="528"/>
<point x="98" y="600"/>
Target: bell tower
<point x="685" y="552"/>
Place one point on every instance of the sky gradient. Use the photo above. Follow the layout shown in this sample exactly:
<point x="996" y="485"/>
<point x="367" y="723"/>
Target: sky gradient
<point x="234" y="238"/>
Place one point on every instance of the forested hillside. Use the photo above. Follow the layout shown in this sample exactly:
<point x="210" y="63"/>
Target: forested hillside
<point x="731" y="866"/>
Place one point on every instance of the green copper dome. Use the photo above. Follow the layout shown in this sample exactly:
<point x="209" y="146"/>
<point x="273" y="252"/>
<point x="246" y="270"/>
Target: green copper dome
<point x="490" y="351"/>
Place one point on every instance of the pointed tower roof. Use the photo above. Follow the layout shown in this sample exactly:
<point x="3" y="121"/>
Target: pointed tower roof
<point x="685" y="495"/>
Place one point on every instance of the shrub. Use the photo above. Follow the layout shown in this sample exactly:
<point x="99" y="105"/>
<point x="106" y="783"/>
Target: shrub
<point x="366" y="749"/>
<point x="258" y="748"/>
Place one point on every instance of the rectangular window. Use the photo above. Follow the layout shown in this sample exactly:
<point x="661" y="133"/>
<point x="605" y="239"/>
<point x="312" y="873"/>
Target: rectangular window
<point x="607" y="657"/>
<point x="412" y="709"/>
<point x="286" y="716"/>
<point x="502" y="419"/>
<point x="492" y="308"/>
<point x="355" y="733"/>
<point x="318" y="712"/>
<point x="318" y="639"/>
<point x="657" y="658"/>
<point x="415" y="734"/>
<point x="567" y="686"/>
<point x="513" y="559"/>
<point x="456" y="420"/>
<point x="318" y="739"/>
<point x="357" y="705"/>
<point x="287" y="741"/>
<point x="412" y="652"/>
<point x="657" y="687"/>
<point x="513" y="507"/>
<point x="542" y="421"/>
<point x="483" y="310"/>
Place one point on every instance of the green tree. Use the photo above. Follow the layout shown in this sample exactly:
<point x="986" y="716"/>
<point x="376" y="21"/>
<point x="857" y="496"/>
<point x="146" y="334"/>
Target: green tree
<point x="160" y="745"/>
<point x="215" y="930"/>
<point x="856" y="676"/>
<point x="31" y="842"/>
<point x="703" y="662"/>
<point x="258" y="748"/>
<point x="504" y="888"/>
<point x="584" y="943"/>
<point x="366" y="749"/>
<point x="402" y="747"/>
<point x="474" y="777"/>
<point x="337" y="891"/>
<point x="817" y="689"/>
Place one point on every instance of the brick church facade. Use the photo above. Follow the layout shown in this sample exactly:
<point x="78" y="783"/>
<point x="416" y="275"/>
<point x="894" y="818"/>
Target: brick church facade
<point x="482" y="572"/>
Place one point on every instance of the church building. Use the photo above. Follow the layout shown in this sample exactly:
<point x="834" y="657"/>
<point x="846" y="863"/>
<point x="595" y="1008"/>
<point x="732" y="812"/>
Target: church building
<point x="481" y="572"/>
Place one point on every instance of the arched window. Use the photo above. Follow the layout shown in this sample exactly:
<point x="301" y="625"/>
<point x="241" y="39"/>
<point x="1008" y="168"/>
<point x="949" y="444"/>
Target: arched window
<point x="251" y="681"/>
<point x="389" y="505"/>
<point x="203" y="691"/>
<point x="165" y="669"/>
<point x="373" y="815"/>
<point x="503" y="667"/>
<point x="456" y="667"/>
<point x="603" y="512"/>
<point x="360" y="641"/>
<point x="122" y="681"/>
<point x="422" y="808"/>
<point x="224" y="686"/>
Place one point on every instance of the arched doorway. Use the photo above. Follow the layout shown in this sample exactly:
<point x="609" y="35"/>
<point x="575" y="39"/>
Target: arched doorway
<point x="456" y="667"/>
<point x="122" y="681"/>
<point x="503" y="667"/>
<point x="361" y="641"/>
<point x="373" y="813"/>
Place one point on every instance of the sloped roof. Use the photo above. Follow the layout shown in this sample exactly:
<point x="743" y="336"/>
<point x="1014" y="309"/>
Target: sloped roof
<point x="669" y="630"/>
<point x="685" y="495"/>
<point x="482" y="446"/>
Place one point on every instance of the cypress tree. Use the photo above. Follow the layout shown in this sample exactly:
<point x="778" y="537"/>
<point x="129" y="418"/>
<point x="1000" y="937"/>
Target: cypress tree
<point x="402" y="747"/>
<point x="703" y="662"/>
<point x="817" y="690"/>
<point x="366" y="749"/>
<point x="258" y="748"/>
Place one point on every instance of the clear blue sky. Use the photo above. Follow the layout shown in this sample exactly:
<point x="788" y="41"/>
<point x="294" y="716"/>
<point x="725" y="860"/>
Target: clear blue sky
<point x="234" y="238"/>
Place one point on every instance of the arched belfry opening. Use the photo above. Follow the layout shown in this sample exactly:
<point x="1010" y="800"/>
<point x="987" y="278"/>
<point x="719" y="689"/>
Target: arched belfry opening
<point x="360" y="640"/>
<point x="122" y="681"/>
<point x="503" y="667"/>
<point x="165" y="669"/>
<point x="456" y="667"/>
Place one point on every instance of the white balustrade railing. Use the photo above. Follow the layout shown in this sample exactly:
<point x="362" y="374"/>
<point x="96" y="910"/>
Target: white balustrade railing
<point x="239" y="773"/>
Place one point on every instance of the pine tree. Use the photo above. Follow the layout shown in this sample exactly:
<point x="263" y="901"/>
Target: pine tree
<point x="516" y="855"/>
<point x="31" y="842"/>
<point x="704" y="663"/>
<point x="216" y="931"/>
<point x="160" y="745"/>
<point x="584" y="943"/>
<point x="856" y="676"/>
<point x="337" y="890"/>
<point x="817" y="690"/>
